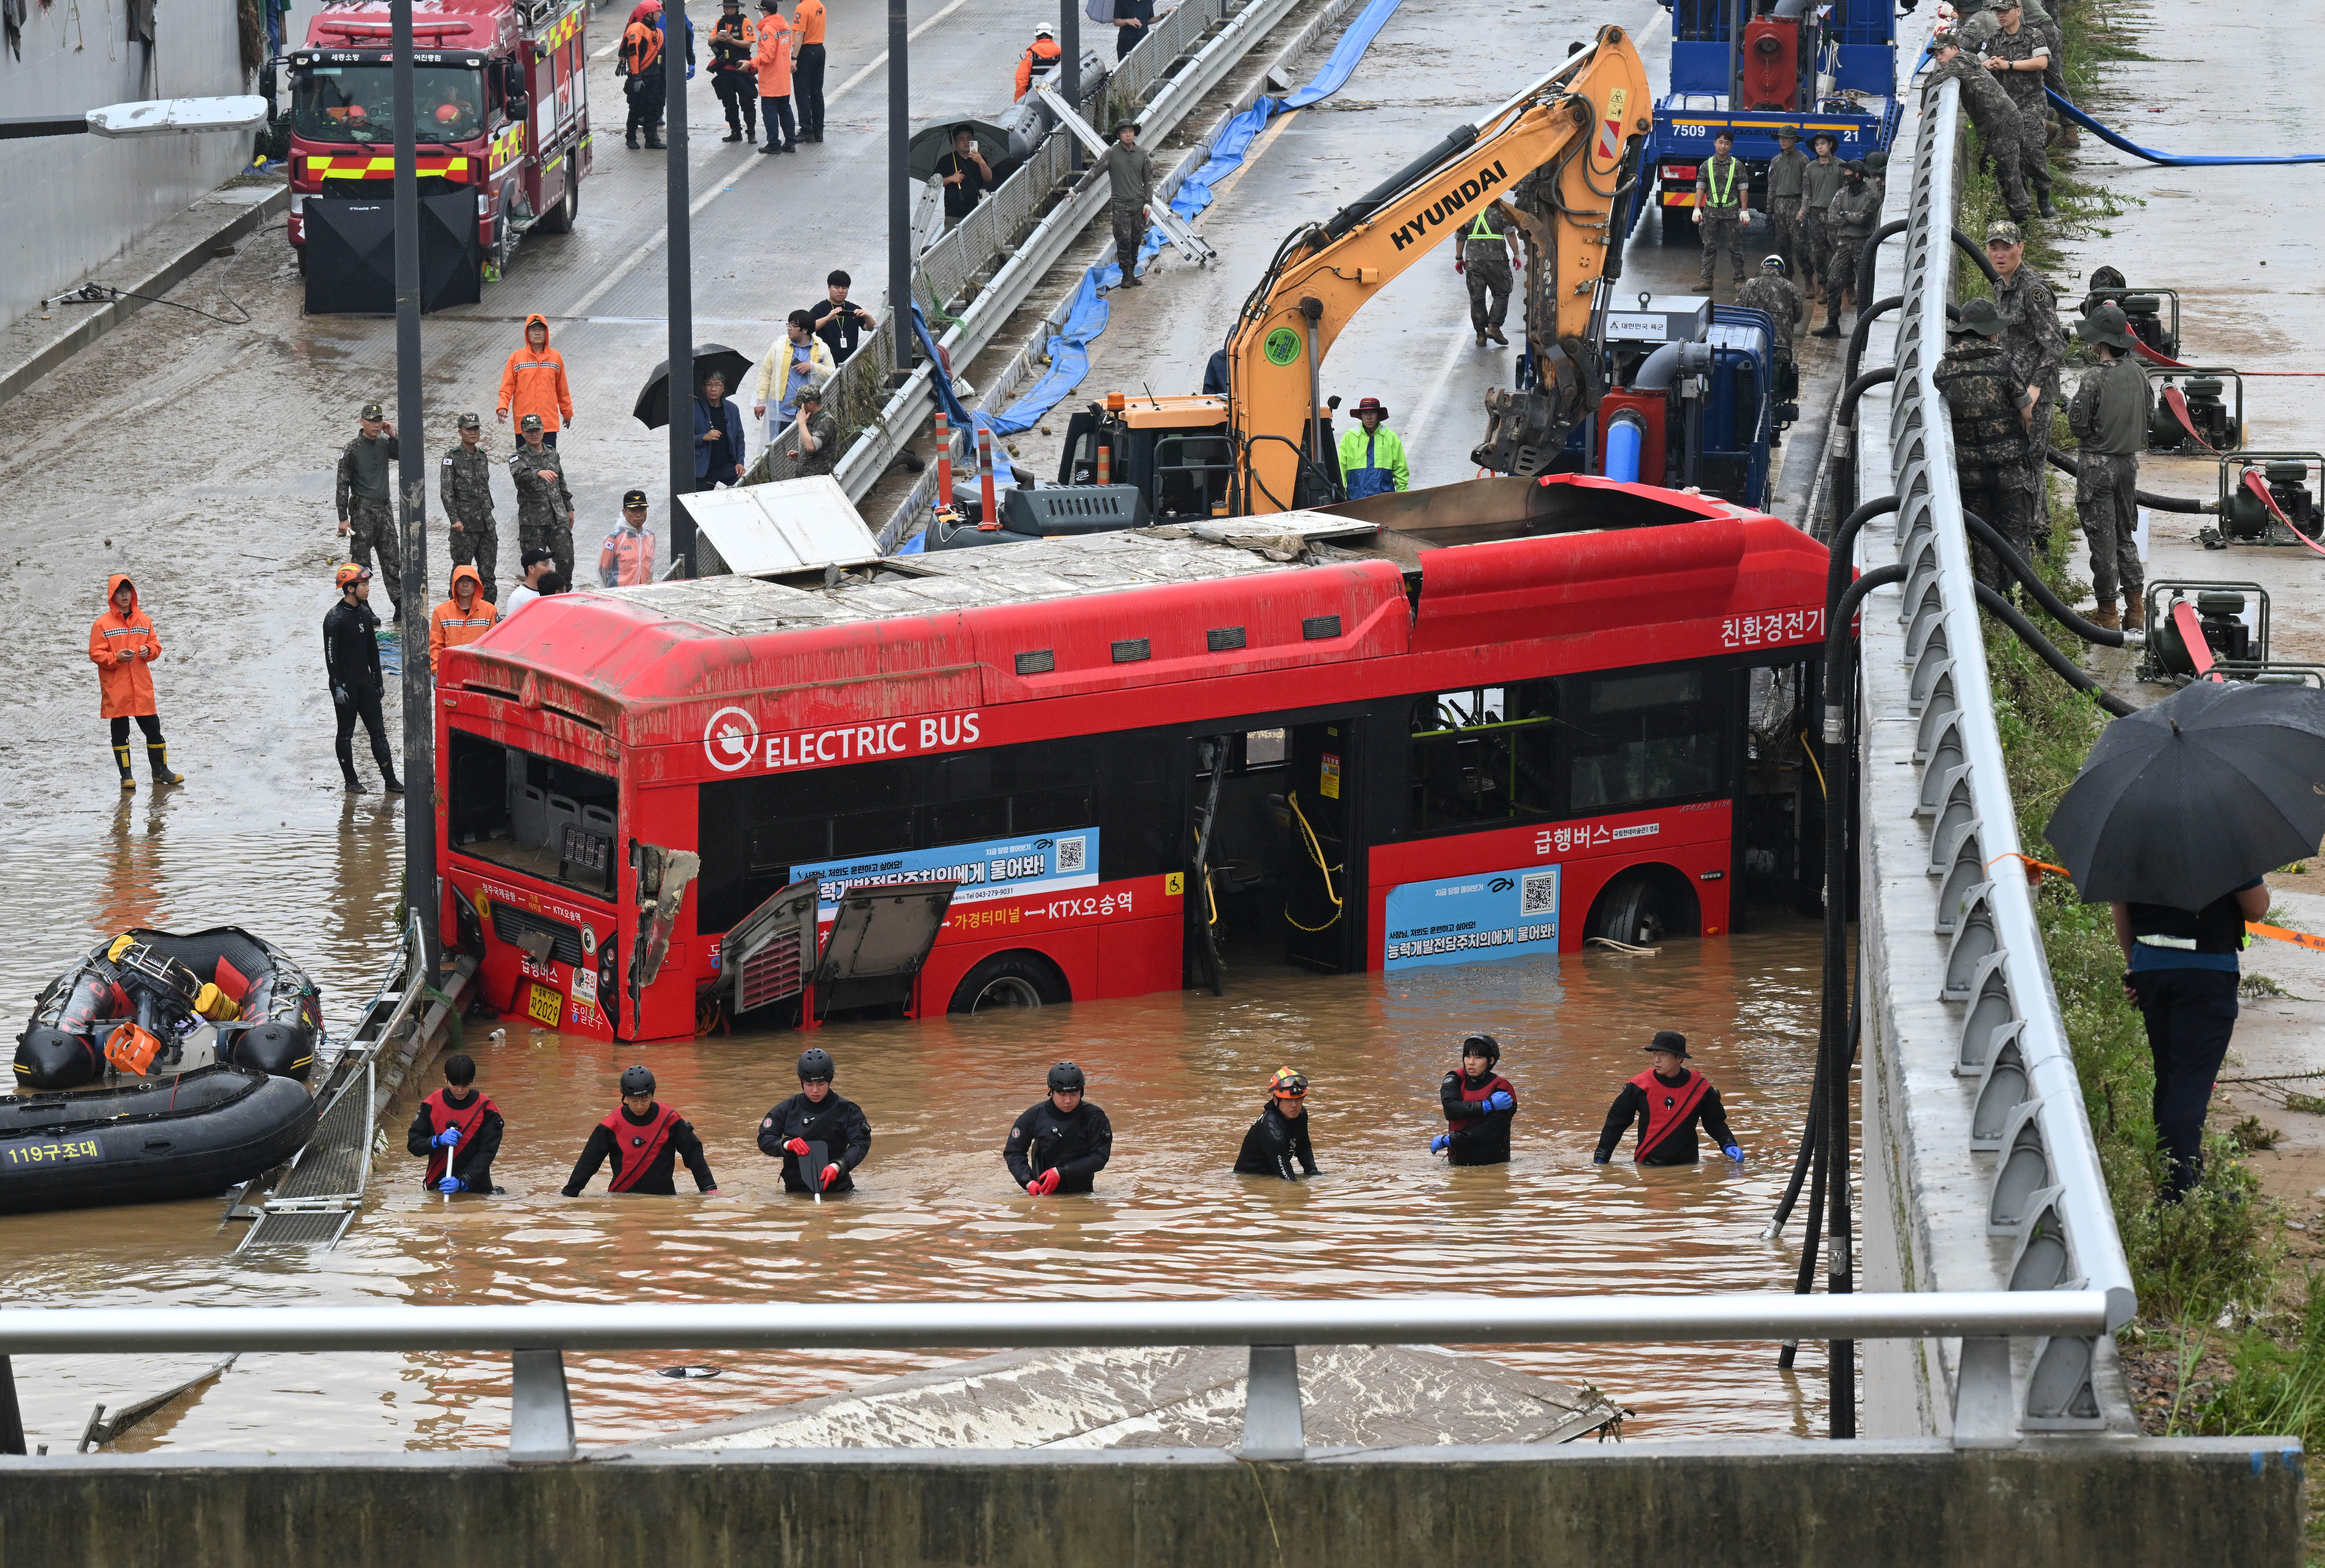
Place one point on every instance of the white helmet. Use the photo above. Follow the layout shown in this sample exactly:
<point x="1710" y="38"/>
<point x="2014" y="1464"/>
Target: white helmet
<point x="1776" y="261"/>
<point x="1046" y="31"/>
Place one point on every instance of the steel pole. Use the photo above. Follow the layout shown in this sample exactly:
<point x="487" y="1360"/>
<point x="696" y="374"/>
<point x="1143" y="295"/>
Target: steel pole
<point x="412" y="522"/>
<point x="682" y="288"/>
<point x="900" y="191"/>
<point x="1069" y="69"/>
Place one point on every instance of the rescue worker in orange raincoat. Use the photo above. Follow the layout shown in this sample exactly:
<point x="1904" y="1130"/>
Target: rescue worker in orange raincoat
<point x="1039" y="58"/>
<point x="1670" y="1097"/>
<point x="640" y="67"/>
<point x="774" y="59"/>
<point x="532" y="382"/>
<point x="123" y="645"/>
<point x="462" y="619"/>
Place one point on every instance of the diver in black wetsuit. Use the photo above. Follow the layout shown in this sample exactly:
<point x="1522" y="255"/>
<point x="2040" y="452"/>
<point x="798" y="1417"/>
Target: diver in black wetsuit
<point x="1479" y="1105"/>
<point x="1061" y="1143"/>
<point x="816" y="1114"/>
<point x="645" y="1141"/>
<point x="1278" y="1141"/>
<point x="1667" y="1101"/>
<point x="457" y="1131"/>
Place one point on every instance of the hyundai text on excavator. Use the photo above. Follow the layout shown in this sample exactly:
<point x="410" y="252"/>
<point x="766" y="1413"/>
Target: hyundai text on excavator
<point x="1566" y="151"/>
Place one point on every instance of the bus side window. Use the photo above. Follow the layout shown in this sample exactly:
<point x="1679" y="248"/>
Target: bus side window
<point x="1635" y="740"/>
<point x="1483" y="755"/>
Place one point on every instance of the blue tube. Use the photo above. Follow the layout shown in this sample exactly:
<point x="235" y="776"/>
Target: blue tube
<point x="1624" y="437"/>
<point x="2137" y="150"/>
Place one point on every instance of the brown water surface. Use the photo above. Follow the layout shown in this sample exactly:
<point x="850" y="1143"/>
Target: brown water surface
<point x="936" y="1217"/>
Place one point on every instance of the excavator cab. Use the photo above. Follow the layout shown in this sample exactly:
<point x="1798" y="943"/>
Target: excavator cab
<point x="1177" y="451"/>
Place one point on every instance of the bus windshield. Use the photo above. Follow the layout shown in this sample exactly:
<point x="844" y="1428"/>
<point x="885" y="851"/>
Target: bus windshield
<point x="548" y="819"/>
<point x="356" y="104"/>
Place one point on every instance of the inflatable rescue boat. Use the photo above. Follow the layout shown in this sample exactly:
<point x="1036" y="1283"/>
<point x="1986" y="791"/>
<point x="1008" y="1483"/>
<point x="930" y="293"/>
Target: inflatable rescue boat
<point x="162" y="1066"/>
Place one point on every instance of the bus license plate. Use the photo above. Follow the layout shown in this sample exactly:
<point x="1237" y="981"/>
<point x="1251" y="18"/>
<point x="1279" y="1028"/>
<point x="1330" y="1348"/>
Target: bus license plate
<point x="547" y="1006"/>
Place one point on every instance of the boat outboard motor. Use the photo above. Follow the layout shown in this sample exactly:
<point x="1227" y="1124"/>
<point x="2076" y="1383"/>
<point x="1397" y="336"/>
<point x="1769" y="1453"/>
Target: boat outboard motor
<point x="283" y="1050"/>
<point x="49" y="1058"/>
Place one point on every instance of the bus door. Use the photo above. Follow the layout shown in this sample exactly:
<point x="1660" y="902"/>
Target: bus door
<point x="1323" y="905"/>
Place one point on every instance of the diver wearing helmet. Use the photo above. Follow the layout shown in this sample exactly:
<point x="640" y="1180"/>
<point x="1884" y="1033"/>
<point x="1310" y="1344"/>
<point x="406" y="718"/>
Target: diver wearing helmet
<point x="647" y="1140"/>
<point x="1061" y="1143"/>
<point x="819" y="1136"/>
<point x="1479" y="1105"/>
<point x="1277" y="1144"/>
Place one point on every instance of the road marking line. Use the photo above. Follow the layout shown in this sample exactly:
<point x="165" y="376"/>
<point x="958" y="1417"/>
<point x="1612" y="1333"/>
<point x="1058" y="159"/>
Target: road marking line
<point x="1427" y="408"/>
<point x="630" y="262"/>
<point x="1258" y="150"/>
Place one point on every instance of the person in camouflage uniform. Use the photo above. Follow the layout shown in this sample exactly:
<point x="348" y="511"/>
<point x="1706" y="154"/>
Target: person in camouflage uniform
<point x="1723" y="207"/>
<point x="544" y="507"/>
<point x="366" y="500"/>
<point x="1773" y="292"/>
<point x="2017" y="55"/>
<point x="1977" y="23"/>
<point x="2034" y="341"/>
<point x="464" y="487"/>
<point x="815" y="437"/>
<point x="1990" y="406"/>
<point x="2109" y="417"/>
<point x="1847" y="223"/>
<point x="1821" y="182"/>
<point x="1486" y="256"/>
<point x="1992" y="112"/>
<point x="1787" y="190"/>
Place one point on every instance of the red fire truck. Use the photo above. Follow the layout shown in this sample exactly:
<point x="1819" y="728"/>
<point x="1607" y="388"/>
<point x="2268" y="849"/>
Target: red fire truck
<point x="1090" y="767"/>
<point x="501" y="86"/>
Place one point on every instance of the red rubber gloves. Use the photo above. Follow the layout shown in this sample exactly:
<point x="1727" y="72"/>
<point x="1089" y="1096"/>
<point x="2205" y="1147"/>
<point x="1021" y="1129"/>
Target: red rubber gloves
<point x="797" y="1146"/>
<point x="1043" y="1185"/>
<point x="830" y="1175"/>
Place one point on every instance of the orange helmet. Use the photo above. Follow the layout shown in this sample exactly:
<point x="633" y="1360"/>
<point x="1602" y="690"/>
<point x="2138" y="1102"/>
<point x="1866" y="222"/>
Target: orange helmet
<point x="351" y="573"/>
<point x="1287" y="1084"/>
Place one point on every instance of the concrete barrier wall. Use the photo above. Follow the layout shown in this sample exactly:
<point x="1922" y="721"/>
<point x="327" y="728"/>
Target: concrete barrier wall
<point x="2104" y="1503"/>
<point x="69" y="204"/>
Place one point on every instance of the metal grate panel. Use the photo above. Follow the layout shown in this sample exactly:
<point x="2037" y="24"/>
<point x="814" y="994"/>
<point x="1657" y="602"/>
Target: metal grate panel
<point x="510" y="923"/>
<point x="771" y="974"/>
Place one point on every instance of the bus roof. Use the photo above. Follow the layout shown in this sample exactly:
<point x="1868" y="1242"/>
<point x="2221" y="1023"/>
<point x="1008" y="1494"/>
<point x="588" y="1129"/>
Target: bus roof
<point x="1139" y="609"/>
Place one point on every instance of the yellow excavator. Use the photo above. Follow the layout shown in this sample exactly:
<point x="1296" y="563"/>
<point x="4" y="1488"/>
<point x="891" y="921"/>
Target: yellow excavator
<point x="1566" y="152"/>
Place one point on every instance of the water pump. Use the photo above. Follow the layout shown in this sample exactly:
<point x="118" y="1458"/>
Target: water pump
<point x="2266" y="498"/>
<point x="2199" y="394"/>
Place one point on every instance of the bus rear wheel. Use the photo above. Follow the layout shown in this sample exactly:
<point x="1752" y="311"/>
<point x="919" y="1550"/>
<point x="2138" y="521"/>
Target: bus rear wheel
<point x="1644" y="905"/>
<point x="1007" y="980"/>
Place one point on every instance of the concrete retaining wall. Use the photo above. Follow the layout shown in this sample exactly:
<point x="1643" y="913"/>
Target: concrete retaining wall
<point x="69" y="204"/>
<point x="2111" y="1503"/>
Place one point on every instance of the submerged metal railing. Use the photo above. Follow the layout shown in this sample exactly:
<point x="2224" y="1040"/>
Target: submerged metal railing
<point x="541" y="1426"/>
<point x="2026" y="1113"/>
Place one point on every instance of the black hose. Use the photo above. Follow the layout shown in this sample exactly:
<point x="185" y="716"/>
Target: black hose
<point x="1811" y="1229"/>
<point x="1832" y="1032"/>
<point x="1801" y="1159"/>
<point x="2066" y="464"/>
<point x="2010" y="615"/>
<point x="1865" y="315"/>
<point x="2052" y="605"/>
<point x="1842" y="545"/>
<point x="1968" y="248"/>
<point x="1844" y="481"/>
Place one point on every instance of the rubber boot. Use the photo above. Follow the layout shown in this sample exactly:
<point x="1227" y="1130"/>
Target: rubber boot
<point x="1831" y="327"/>
<point x="2042" y="205"/>
<point x="157" y="753"/>
<point x="121" y="760"/>
<point x="347" y="750"/>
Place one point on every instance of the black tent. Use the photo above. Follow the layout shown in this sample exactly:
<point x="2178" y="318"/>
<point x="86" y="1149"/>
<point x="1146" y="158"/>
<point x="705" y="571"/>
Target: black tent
<point x="351" y="254"/>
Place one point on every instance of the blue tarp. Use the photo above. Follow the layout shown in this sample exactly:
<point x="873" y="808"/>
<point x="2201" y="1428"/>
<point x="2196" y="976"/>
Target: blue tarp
<point x="1069" y="348"/>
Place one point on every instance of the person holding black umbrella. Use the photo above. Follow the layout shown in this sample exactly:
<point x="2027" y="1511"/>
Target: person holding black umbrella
<point x="717" y="436"/>
<point x="2178" y="811"/>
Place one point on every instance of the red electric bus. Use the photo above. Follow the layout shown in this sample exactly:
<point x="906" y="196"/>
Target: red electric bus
<point x="1088" y="766"/>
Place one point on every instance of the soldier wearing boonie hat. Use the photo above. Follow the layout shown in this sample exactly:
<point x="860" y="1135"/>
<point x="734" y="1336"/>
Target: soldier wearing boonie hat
<point x="545" y="506"/>
<point x="1993" y="457"/>
<point x="2109" y="414"/>
<point x="464" y="488"/>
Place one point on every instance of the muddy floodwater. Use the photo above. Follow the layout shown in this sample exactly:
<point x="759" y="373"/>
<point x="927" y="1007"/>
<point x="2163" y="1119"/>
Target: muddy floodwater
<point x="935" y="1215"/>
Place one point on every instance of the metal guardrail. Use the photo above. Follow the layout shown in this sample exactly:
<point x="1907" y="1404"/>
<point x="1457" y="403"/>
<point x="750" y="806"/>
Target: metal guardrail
<point x="542" y="1415"/>
<point x="2012" y="1057"/>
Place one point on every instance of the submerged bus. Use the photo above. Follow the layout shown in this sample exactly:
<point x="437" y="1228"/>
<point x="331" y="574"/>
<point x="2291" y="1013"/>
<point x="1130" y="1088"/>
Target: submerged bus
<point x="1384" y="737"/>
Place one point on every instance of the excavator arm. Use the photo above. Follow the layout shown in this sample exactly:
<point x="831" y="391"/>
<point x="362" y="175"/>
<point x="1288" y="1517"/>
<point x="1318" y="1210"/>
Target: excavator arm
<point x="1567" y="150"/>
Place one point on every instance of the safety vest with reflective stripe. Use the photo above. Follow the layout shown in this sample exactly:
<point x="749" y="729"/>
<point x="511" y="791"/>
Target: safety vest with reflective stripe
<point x="1717" y="195"/>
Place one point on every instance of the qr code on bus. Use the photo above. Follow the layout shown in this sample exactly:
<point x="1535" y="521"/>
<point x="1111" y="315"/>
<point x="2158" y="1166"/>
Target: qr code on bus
<point x="1073" y="854"/>
<point x="1537" y="893"/>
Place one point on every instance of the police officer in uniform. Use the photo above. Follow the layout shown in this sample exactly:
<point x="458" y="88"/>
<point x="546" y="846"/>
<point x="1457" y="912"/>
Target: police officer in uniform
<point x="645" y="1140"/>
<point x="2018" y="55"/>
<point x="816" y="1115"/>
<point x="1722" y="192"/>
<point x="1666" y="1102"/>
<point x="1847" y="224"/>
<point x="1487" y="257"/>
<point x="1059" y="1144"/>
<point x="2109" y="417"/>
<point x="2037" y="346"/>
<point x="464" y="486"/>
<point x="366" y="499"/>
<point x="1788" y="173"/>
<point x="1990" y="406"/>
<point x="544" y="507"/>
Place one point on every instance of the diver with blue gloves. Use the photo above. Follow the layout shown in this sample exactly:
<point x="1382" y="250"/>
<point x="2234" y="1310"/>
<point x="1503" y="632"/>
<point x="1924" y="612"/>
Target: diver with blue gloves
<point x="458" y="1130"/>
<point x="1480" y="1106"/>
<point x="1666" y="1102"/>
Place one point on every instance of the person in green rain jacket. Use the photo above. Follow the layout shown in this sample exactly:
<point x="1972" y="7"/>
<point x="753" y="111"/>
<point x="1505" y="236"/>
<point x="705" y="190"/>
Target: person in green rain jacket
<point x="1372" y="460"/>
